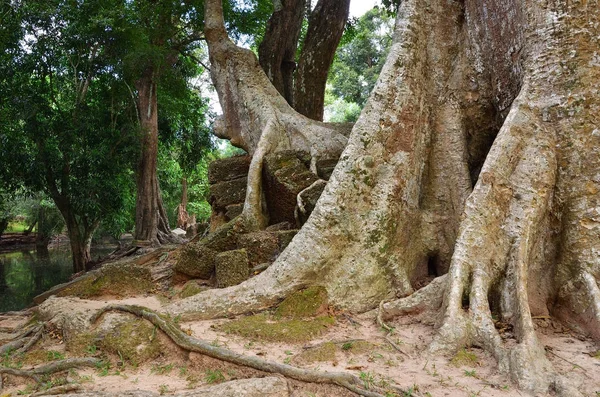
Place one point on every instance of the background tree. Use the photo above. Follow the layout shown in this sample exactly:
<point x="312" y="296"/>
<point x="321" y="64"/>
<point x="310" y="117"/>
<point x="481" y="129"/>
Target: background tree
<point x="517" y="238"/>
<point x="161" y="34"/>
<point x="73" y="134"/>
<point x="303" y="87"/>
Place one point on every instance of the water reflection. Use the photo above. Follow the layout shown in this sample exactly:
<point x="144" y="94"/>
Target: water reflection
<point x="26" y="274"/>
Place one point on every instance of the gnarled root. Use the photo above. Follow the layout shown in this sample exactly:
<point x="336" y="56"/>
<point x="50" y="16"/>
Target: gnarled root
<point x="496" y="249"/>
<point x="189" y="343"/>
<point x="51" y="368"/>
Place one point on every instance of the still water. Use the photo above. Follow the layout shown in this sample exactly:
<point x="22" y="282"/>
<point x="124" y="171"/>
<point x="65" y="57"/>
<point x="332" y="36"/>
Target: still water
<point x="25" y="274"/>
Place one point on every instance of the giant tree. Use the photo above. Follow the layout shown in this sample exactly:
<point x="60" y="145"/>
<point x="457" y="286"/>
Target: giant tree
<point x="474" y="160"/>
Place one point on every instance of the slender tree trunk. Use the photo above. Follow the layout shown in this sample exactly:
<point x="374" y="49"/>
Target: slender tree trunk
<point x="3" y="225"/>
<point x="277" y="51"/>
<point x="80" y="238"/>
<point x="151" y="221"/>
<point x="42" y="238"/>
<point x="325" y="29"/>
<point x="183" y="218"/>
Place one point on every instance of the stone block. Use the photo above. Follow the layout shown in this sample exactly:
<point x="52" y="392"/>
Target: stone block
<point x="325" y="168"/>
<point x="261" y="246"/>
<point x="284" y="237"/>
<point x="226" y="193"/>
<point x="196" y="260"/>
<point x="285" y="176"/>
<point x="227" y="169"/>
<point x="231" y="267"/>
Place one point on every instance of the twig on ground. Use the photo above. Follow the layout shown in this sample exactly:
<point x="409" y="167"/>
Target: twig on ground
<point x="398" y="348"/>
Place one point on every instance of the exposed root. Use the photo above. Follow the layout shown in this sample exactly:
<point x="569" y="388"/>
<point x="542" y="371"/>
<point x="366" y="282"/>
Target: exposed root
<point x="51" y="368"/>
<point x="427" y="299"/>
<point x="189" y="343"/>
<point x="254" y="211"/>
<point x="57" y="390"/>
<point x="21" y="340"/>
<point x="32" y="341"/>
<point x="380" y="321"/>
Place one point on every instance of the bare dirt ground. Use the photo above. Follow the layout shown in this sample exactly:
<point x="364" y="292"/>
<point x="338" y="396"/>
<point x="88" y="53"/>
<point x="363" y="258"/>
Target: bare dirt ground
<point x="354" y="343"/>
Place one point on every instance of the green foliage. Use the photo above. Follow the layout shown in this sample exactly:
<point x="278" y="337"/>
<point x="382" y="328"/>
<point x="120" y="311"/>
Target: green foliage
<point x="361" y="56"/>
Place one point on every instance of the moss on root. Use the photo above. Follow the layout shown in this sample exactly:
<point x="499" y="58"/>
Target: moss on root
<point x="268" y="328"/>
<point x="464" y="358"/>
<point x="121" y="280"/>
<point x="295" y="320"/>
<point x="134" y="342"/>
<point x="303" y="304"/>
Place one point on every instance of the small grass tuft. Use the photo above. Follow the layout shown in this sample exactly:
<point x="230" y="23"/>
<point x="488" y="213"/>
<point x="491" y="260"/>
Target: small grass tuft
<point x="215" y="376"/>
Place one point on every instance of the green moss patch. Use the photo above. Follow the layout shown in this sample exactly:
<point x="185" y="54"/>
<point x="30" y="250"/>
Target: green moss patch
<point x="191" y="288"/>
<point x="121" y="280"/>
<point x="322" y="353"/>
<point x="134" y="342"/>
<point x="265" y="327"/>
<point x="303" y="304"/>
<point x="464" y="358"/>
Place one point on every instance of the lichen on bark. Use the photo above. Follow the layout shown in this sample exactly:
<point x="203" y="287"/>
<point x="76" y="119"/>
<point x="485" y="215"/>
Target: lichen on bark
<point x="476" y="156"/>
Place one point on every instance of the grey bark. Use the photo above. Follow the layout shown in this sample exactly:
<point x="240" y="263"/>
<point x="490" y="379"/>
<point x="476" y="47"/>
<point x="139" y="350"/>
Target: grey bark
<point x="517" y="75"/>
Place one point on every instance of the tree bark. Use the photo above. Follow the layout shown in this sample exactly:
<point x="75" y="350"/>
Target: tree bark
<point x="277" y="51"/>
<point x="183" y="218"/>
<point x="3" y="225"/>
<point x="151" y="221"/>
<point x="325" y="29"/>
<point x="517" y="238"/>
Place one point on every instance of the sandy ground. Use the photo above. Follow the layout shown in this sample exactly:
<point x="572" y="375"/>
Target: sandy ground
<point x="379" y="363"/>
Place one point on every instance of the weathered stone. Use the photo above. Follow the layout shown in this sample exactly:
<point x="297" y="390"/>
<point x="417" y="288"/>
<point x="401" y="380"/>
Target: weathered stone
<point x="224" y="238"/>
<point x="325" y="168"/>
<point x="191" y="288"/>
<point x="307" y="200"/>
<point x="285" y="176"/>
<point x="195" y="229"/>
<point x="226" y="193"/>
<point x="227" y="169"/>
<point x="261" y="246"/>
<point x="196" y="260"/>
<point x="217" y="219"/>
<point x="281" y="226"/>
<point x="231" y="267"/>
<point x="284" y="237"/>
<point x="255" y="387"/>
<point x="233" y="210"/>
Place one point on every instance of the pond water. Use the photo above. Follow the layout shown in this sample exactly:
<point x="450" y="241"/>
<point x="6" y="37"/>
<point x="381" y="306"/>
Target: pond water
<point x="25" y="274"/>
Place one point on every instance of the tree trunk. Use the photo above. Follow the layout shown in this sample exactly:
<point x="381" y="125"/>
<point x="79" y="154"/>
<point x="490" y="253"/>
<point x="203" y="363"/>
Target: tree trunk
<point x="151" y="221"/>
<point x="183" y="218"/>
<point x="42" y="237"/>
<point x="277" y="51"/>
<point x="80" y="238"/>
<point x="325" y="29"/>
<point x="419" y="191"/>
<point x="3" y="225"/>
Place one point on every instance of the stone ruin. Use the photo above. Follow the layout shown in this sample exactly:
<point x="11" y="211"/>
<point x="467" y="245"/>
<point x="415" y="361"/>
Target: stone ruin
<point x="227" y="256"/>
